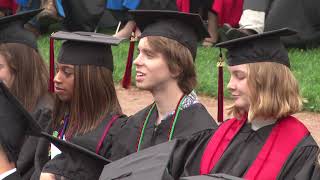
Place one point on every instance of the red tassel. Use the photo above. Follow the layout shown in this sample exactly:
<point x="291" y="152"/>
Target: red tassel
<point x="126" y="80"/>
<point x="220" y="88"/>
<point x="51" y="83"/>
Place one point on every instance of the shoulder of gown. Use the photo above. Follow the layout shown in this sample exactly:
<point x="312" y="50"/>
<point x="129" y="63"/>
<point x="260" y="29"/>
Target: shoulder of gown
<point x="77" y="168"/>
<point x="303" y="163"/>
<point x="127" y="131"/>
<point x="187" y="154"/>
<point x="192" y="120"/>
<point x="26" y="160"/>
<point x="87" y="140"/>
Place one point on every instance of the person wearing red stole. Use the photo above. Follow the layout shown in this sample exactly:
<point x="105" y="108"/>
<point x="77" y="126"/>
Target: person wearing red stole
<point x="263" y="140"/>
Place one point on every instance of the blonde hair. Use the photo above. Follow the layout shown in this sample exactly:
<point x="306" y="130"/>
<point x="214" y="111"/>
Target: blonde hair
<point x="274" y="91"/>
<point x="178" y="58"/>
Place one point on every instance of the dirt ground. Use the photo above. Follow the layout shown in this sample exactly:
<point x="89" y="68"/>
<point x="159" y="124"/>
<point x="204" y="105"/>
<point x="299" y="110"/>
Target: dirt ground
<point x="134" y="99"/>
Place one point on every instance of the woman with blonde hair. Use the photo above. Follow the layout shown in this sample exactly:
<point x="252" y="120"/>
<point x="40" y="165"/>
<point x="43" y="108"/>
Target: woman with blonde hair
<point x="263" y="140"/>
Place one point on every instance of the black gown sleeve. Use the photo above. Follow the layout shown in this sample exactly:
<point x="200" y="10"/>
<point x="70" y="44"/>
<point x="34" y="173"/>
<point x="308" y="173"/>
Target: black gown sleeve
<point x="125" y="139"/>
<point x="78" y="168"/>
<point x="303" y="162"/>
<point x="187" y="155"/>
<point x="158" y="5"/>
<point x="41" y="154"/>
<point x="26" y="161"/>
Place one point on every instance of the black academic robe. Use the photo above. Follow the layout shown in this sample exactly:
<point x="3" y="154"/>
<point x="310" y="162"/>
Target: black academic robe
<point x="42" y="114"/>
<point x="191" y="120"/>
<point x="158" y="5"/>
<point x="197" y="5"/>
<point x="61" y="165"/>
<point x="13" y="176"/>
<point x="240" y="154"/>
<point x="82" y="15"/>
<point x="304" y="18"/>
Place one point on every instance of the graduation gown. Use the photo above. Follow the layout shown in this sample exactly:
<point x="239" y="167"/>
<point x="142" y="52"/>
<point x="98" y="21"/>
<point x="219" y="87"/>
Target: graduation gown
<point x="13" y="176"/>
<point x="241" y="153"/>
<point x="82" y="15"/>
<point x="195" y="5"/>
<point x="42" y="114"/>
<point x="304" y="19"/>
<point x="191" y="120"/>
<point x="61" y="165"/>
<point x="158" y="5"/>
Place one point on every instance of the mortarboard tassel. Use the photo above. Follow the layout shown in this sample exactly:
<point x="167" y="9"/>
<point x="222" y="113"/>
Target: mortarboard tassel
<point x="220" y="88"/>
<point x="126" y="80"/>
<point x="51" y="84"/>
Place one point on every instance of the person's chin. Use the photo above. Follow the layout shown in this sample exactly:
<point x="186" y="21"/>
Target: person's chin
<point x="143" y="86"/>
<point x="64" y="98"/>
<point x="240" y="104"/>
<point x="140" y="85"/>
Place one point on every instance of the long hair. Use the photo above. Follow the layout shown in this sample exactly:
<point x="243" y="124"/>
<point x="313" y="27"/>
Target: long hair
<point x="30" y="73"/>
<point x="178" y="58"/>
<point x="94" y="97"/>
<point x="274" y="91"/>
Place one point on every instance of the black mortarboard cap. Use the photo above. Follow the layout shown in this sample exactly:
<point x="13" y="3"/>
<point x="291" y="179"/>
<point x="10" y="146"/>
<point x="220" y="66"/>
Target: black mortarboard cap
<point x="16" y="123"/>
<point x="186" y="28"/>
<point x="83" y="48"/>
<point x="265" y="47"/>
<point x="219" y="176"/>
<point x="150" y="163"/>
<point x="12" y="29"/>
<point x="86" y="48"/>
<point x="75" y="162"/>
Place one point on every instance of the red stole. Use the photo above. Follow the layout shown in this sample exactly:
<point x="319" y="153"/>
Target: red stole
<point x="9" y="4"/>
<point x="284" y="137"/>
<point x="183" y="5"/>
<point x="105" y="132"/>
<point x="228" y="11"/>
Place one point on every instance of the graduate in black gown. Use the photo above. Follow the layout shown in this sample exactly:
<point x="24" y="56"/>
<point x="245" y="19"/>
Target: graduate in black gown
<point x="24" y="71"/>
<point x="86" y="110"/>
<point x="10" y="141"/>
<point x="263" y="140"/>
<point x="305" y="20"/>
<point x="77" y="157"/>
<point x="165" y="68"/>
<point x="82" y="15"/>
<point x="16" y="125"/>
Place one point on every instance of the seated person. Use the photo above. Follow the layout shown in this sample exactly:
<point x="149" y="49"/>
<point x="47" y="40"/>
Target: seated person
<point x="14" y="128"/>
<point x="25" y="73"/>
<point x="165" y="68"/>
<point x="86" y="111"/>
<point x="263" y="140"/>
<point x="123" y="6"/>
<point x="7" y="166"/>
<point x="267" y="15"/>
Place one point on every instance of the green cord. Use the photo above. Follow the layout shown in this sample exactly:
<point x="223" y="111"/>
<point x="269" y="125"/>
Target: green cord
<point x="176" y="118"/>
<point x="148" y="117"/>
<point x="145" y="125"/>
